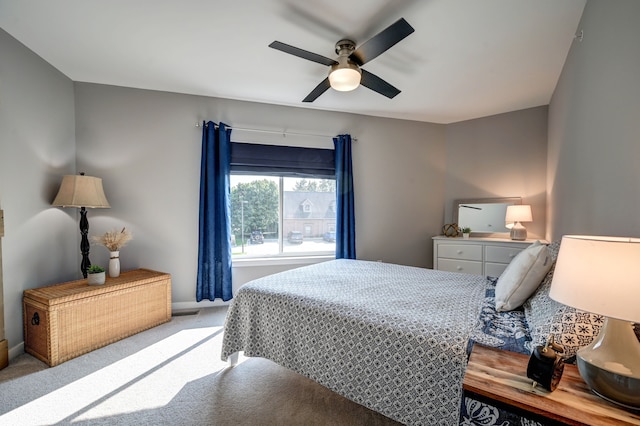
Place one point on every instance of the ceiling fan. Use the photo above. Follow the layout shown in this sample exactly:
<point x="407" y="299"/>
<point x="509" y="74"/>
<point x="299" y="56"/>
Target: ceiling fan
<point x="345" y="73"/>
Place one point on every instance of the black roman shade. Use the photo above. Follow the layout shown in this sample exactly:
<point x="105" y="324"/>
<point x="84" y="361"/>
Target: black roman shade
<point x="250" y="158"/>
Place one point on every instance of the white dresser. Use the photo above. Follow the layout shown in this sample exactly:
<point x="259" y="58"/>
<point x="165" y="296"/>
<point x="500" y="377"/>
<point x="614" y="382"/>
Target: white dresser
<point x="478" y="256"/>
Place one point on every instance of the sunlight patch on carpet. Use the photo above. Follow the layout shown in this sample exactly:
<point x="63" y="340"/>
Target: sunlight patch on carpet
<point x="145" y="380"/>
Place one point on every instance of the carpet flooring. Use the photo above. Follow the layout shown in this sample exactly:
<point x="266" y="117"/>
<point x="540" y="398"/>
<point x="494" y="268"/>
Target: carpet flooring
<point x="170" y="375"/>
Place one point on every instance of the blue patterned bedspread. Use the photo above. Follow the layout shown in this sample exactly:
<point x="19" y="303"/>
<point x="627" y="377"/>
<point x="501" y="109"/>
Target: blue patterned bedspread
<point x="504" y="330"/>
<point x="392" y="338"/>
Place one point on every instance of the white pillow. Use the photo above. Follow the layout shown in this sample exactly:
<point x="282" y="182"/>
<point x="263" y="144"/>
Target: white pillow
<point x="522" y="277"/>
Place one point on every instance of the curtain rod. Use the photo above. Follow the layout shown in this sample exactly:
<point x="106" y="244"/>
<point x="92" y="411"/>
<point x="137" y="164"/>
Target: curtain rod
<point x="283" y="133"/>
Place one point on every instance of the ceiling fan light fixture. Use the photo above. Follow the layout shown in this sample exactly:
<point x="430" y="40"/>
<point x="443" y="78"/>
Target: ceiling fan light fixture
<point x="344" y="79"/>
<point x="345" y="75"/>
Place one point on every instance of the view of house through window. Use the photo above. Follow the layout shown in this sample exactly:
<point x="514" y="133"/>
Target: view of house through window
<point x="272" y="215"/>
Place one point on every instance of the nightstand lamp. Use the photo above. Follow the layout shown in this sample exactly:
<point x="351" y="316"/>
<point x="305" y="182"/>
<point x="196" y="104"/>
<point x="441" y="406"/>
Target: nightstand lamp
<point x="83" y="192"/>
<point x="602" y="275"/>
<point x="516" y="214"/>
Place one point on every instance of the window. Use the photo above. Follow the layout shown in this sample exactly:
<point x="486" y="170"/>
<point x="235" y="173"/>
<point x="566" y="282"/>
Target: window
<point x="281" y="215"/>
<point x="281" y="198"/>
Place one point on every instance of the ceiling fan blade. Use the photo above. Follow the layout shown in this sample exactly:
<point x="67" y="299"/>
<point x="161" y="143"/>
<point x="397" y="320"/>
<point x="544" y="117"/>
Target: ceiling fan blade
<point x="319" y="90"/>
<point x="377" y="84"/>
<point x="382" y="41"/>
<point x="304" y="54"/>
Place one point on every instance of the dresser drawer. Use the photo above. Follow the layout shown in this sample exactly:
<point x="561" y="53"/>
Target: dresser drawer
<point x="461" y="251"/>
<point x="465" y="266"/>
<point x="500" y="254"/>
<point x="494" y="269"/>
<point x="481" y="256"/>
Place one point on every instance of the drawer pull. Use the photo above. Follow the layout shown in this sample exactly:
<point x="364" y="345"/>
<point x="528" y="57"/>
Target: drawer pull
<point x="459" y="268"/>
<point x="459" y="252"/>
<point x="35" y="320"/>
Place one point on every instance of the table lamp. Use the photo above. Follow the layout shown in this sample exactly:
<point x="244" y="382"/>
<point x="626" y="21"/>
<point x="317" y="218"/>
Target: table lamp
<point x="602" y="275"/>
<point x="83" y="192"/>
<point x="515" y="214"/>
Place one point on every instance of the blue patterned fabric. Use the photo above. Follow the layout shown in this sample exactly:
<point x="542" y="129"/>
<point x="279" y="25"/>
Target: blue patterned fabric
<point x="392" y="338"/>
<point x="477" y="413"/>
<point x="505" y="330"/>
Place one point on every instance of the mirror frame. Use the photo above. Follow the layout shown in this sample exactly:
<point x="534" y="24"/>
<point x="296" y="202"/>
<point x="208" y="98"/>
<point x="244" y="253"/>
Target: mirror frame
<point x="498" y="200"/>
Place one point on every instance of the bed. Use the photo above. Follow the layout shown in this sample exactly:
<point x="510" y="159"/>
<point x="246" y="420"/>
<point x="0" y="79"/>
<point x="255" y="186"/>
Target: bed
<point x="392" y="338"/>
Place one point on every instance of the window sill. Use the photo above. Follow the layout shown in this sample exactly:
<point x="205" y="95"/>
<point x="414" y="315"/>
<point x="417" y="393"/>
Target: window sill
<point x="280" y="260"/>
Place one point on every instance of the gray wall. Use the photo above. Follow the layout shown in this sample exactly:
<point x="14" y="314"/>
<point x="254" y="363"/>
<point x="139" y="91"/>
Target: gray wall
<point x="145" y="146"/>
<point x="37" y="147"/>
<point x="593" y="173"/>
<point x="500" y="156"/>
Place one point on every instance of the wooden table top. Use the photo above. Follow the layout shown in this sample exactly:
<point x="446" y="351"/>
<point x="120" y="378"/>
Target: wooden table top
<point x="502" y="376"/>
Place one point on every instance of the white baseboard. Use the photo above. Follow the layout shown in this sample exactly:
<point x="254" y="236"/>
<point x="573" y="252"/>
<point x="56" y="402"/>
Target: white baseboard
<point x="16" y="350"/>
<point x="179" y="306"/>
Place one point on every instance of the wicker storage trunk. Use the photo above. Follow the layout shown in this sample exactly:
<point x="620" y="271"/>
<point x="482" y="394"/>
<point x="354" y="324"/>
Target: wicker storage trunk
<point x="66" y="320"/>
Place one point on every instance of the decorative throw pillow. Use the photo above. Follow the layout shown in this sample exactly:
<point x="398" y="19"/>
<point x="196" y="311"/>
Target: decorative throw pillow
<point x="522" y="277"/>
<point x="570" y="327"/>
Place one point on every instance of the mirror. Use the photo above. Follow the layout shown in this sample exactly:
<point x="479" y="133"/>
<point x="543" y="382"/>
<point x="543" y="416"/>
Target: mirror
<point x="483" y="215"/>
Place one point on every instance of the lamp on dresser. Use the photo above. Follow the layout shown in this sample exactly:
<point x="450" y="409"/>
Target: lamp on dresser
<point x="82" y="192"/>
<point x="516" y="214"/>
<point x="602" y="275"/>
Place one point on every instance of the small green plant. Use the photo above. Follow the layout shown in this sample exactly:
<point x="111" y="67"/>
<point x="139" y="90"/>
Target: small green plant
<point x="95" y="269"/>
<point x="465" y="230"/>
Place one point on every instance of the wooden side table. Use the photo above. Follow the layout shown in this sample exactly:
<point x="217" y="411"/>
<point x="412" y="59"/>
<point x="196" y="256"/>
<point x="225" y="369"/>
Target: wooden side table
<point x="500" y="377"/>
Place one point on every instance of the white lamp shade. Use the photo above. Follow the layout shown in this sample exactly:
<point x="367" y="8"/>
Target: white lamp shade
<point x="344" y="79"/>
<point x="519" y="213"/>
<point x="345" y="75"/>
<point x="81" y="191"/>
<point x="599" y="275"/>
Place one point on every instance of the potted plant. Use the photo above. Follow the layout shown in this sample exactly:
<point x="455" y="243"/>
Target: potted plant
<point x="95" y="275"/>
<point x="465" y="231"/>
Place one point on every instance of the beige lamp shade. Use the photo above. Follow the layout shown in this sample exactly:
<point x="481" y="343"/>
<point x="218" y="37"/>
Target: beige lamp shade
<point x="599" y="275"/>
<point x="519" y="213"/>
<point x="81" y="191"/>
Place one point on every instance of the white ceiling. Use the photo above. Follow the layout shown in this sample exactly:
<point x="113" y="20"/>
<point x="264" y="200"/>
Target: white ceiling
<point x="466" y="58"/>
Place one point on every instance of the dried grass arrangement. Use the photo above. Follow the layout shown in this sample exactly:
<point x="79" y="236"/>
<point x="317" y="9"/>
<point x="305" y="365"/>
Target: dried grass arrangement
<point x="113" y="240"/>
